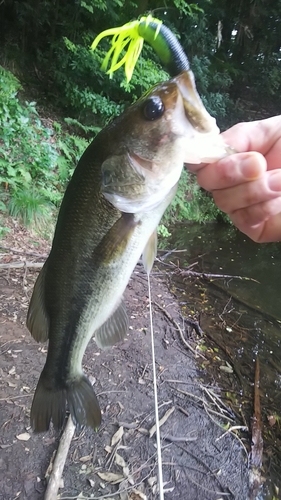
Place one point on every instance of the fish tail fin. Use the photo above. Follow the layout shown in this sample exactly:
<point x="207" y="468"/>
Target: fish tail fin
<point x="83" y="404"/>
<point x="50" y="403"/>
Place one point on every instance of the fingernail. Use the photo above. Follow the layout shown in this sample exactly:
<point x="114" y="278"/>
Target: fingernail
<point x="274" y="181"/>
<point x="250" y="168"/>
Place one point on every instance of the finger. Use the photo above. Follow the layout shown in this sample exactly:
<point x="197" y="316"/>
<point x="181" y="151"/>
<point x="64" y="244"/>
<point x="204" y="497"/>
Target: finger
<point x="254" y="136"/>
<point x="273" y="157"/>
<point x="264" y="232"/>
<point x="245" y="195"/>
<point x="259" y="213"/>
<point x="232" y="171"/>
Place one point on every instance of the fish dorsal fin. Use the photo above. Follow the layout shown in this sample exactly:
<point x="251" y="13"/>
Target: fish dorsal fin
<point x="150" y="252"/>
<point x="114" y="329"/>
<point x="37" y="320"/>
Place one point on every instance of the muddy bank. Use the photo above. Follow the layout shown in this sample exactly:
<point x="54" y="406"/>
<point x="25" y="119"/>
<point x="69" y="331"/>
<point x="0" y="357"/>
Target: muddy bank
<point x="200" y="461"/>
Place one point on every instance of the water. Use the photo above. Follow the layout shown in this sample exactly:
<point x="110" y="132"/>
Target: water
<point x="248" y="326"/>
<point x="223" y="250"/>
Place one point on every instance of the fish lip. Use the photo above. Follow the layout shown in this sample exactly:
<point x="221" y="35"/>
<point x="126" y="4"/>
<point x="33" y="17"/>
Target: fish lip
<point x="194" y="108"/>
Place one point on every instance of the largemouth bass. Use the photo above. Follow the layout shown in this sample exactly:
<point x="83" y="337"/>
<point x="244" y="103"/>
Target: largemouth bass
<point x="121" y="186"/>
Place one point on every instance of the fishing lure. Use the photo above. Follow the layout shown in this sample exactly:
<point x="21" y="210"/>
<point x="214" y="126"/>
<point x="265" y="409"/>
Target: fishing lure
<point x="132" y="35"/>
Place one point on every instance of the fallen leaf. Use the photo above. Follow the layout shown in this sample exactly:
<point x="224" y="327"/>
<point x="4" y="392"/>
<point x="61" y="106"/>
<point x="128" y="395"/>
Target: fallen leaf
<point x="23" y="437"/>
<point x="137" y="495"/>
<point x="120" y="460"/>
<point x="226" y="369"/>
<point x="161" y="421"/>
<point x="126" y="471"/>
<point x="130" y="479"/>
<point x="10" y="384"/>
<point x="111" y="477"/>
<point x="152" y="480"/>
<point x="271" y="420"/>
<point x="91" y="482"/>
<point x="86" y="458"/>
<point x="117" y="436"/>
<point x="124" y="495"/>
<point x="168" y="490"/>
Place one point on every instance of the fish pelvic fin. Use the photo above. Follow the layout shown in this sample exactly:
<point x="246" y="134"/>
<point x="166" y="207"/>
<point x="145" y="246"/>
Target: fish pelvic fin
<point x="114" y="329"/>
<point x="50" y="404"/>
<point x="150" y="252"/>
<point x="37" y="320"/>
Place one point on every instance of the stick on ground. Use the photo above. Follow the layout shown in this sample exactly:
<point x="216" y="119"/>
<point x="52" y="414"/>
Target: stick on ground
<point x="196" y="353"/>
<point x="56" y="474"/>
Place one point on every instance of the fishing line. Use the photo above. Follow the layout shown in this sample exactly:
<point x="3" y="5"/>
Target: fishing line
<point x="159" y="456"/>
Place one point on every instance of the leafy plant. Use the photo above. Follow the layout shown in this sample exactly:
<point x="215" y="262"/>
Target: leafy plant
<point x="30" y="207"/>
<point x="27" y="154"/>
<point x="3" y="230"/>
<point x="35" y="162"/>
<point x="192" y="203"/>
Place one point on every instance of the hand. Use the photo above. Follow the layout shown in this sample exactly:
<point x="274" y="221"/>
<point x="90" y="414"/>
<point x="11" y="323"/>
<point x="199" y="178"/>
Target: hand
<point x="247" y="185"/>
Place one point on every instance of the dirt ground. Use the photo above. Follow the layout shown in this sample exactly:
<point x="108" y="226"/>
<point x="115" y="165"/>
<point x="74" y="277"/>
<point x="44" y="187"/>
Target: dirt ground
<point x="200" y="460"/>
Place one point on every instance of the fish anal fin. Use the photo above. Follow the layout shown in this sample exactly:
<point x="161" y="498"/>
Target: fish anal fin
<point x="37" y="320"/>
<point x="114" y="329"/>
<point x="150" y="252"/>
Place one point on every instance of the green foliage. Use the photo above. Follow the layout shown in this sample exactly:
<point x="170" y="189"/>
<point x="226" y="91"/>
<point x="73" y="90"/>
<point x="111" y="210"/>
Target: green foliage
<point x="3" y="230"/>
<point x="29" y="207"/>
<point x="86" y="129"/>
<point x="35" y="162"/>
<point x="163" y="231"/>
<point x="213" y="87"/>
<point x="269" y="83"/>
<point x="186" y="8"/>
<point x="27" y="154"/>
<point x="71" y="148"/>
<point x="88" y="91"/>
<point x="192" y="203"/>
<point x="234" y="51"/>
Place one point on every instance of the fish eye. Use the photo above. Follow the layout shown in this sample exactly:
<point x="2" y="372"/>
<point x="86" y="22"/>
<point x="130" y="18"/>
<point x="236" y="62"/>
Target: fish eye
<point x="153" y="108"/>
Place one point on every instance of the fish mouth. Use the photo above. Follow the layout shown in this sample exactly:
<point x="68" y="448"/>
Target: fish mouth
<point x="195" y="110"/>
<point x="204" y="144"/>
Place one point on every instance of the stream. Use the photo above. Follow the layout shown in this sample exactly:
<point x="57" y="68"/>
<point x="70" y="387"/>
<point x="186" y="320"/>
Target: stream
<point x="242" y="316"/>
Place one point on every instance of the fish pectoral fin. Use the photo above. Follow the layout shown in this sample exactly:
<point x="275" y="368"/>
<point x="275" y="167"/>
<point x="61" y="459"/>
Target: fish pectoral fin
<point x="114" y="329"/>
<point x="116" y="240"/>
<point x="37" y="320"/>
<point x="150" y="252"/>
